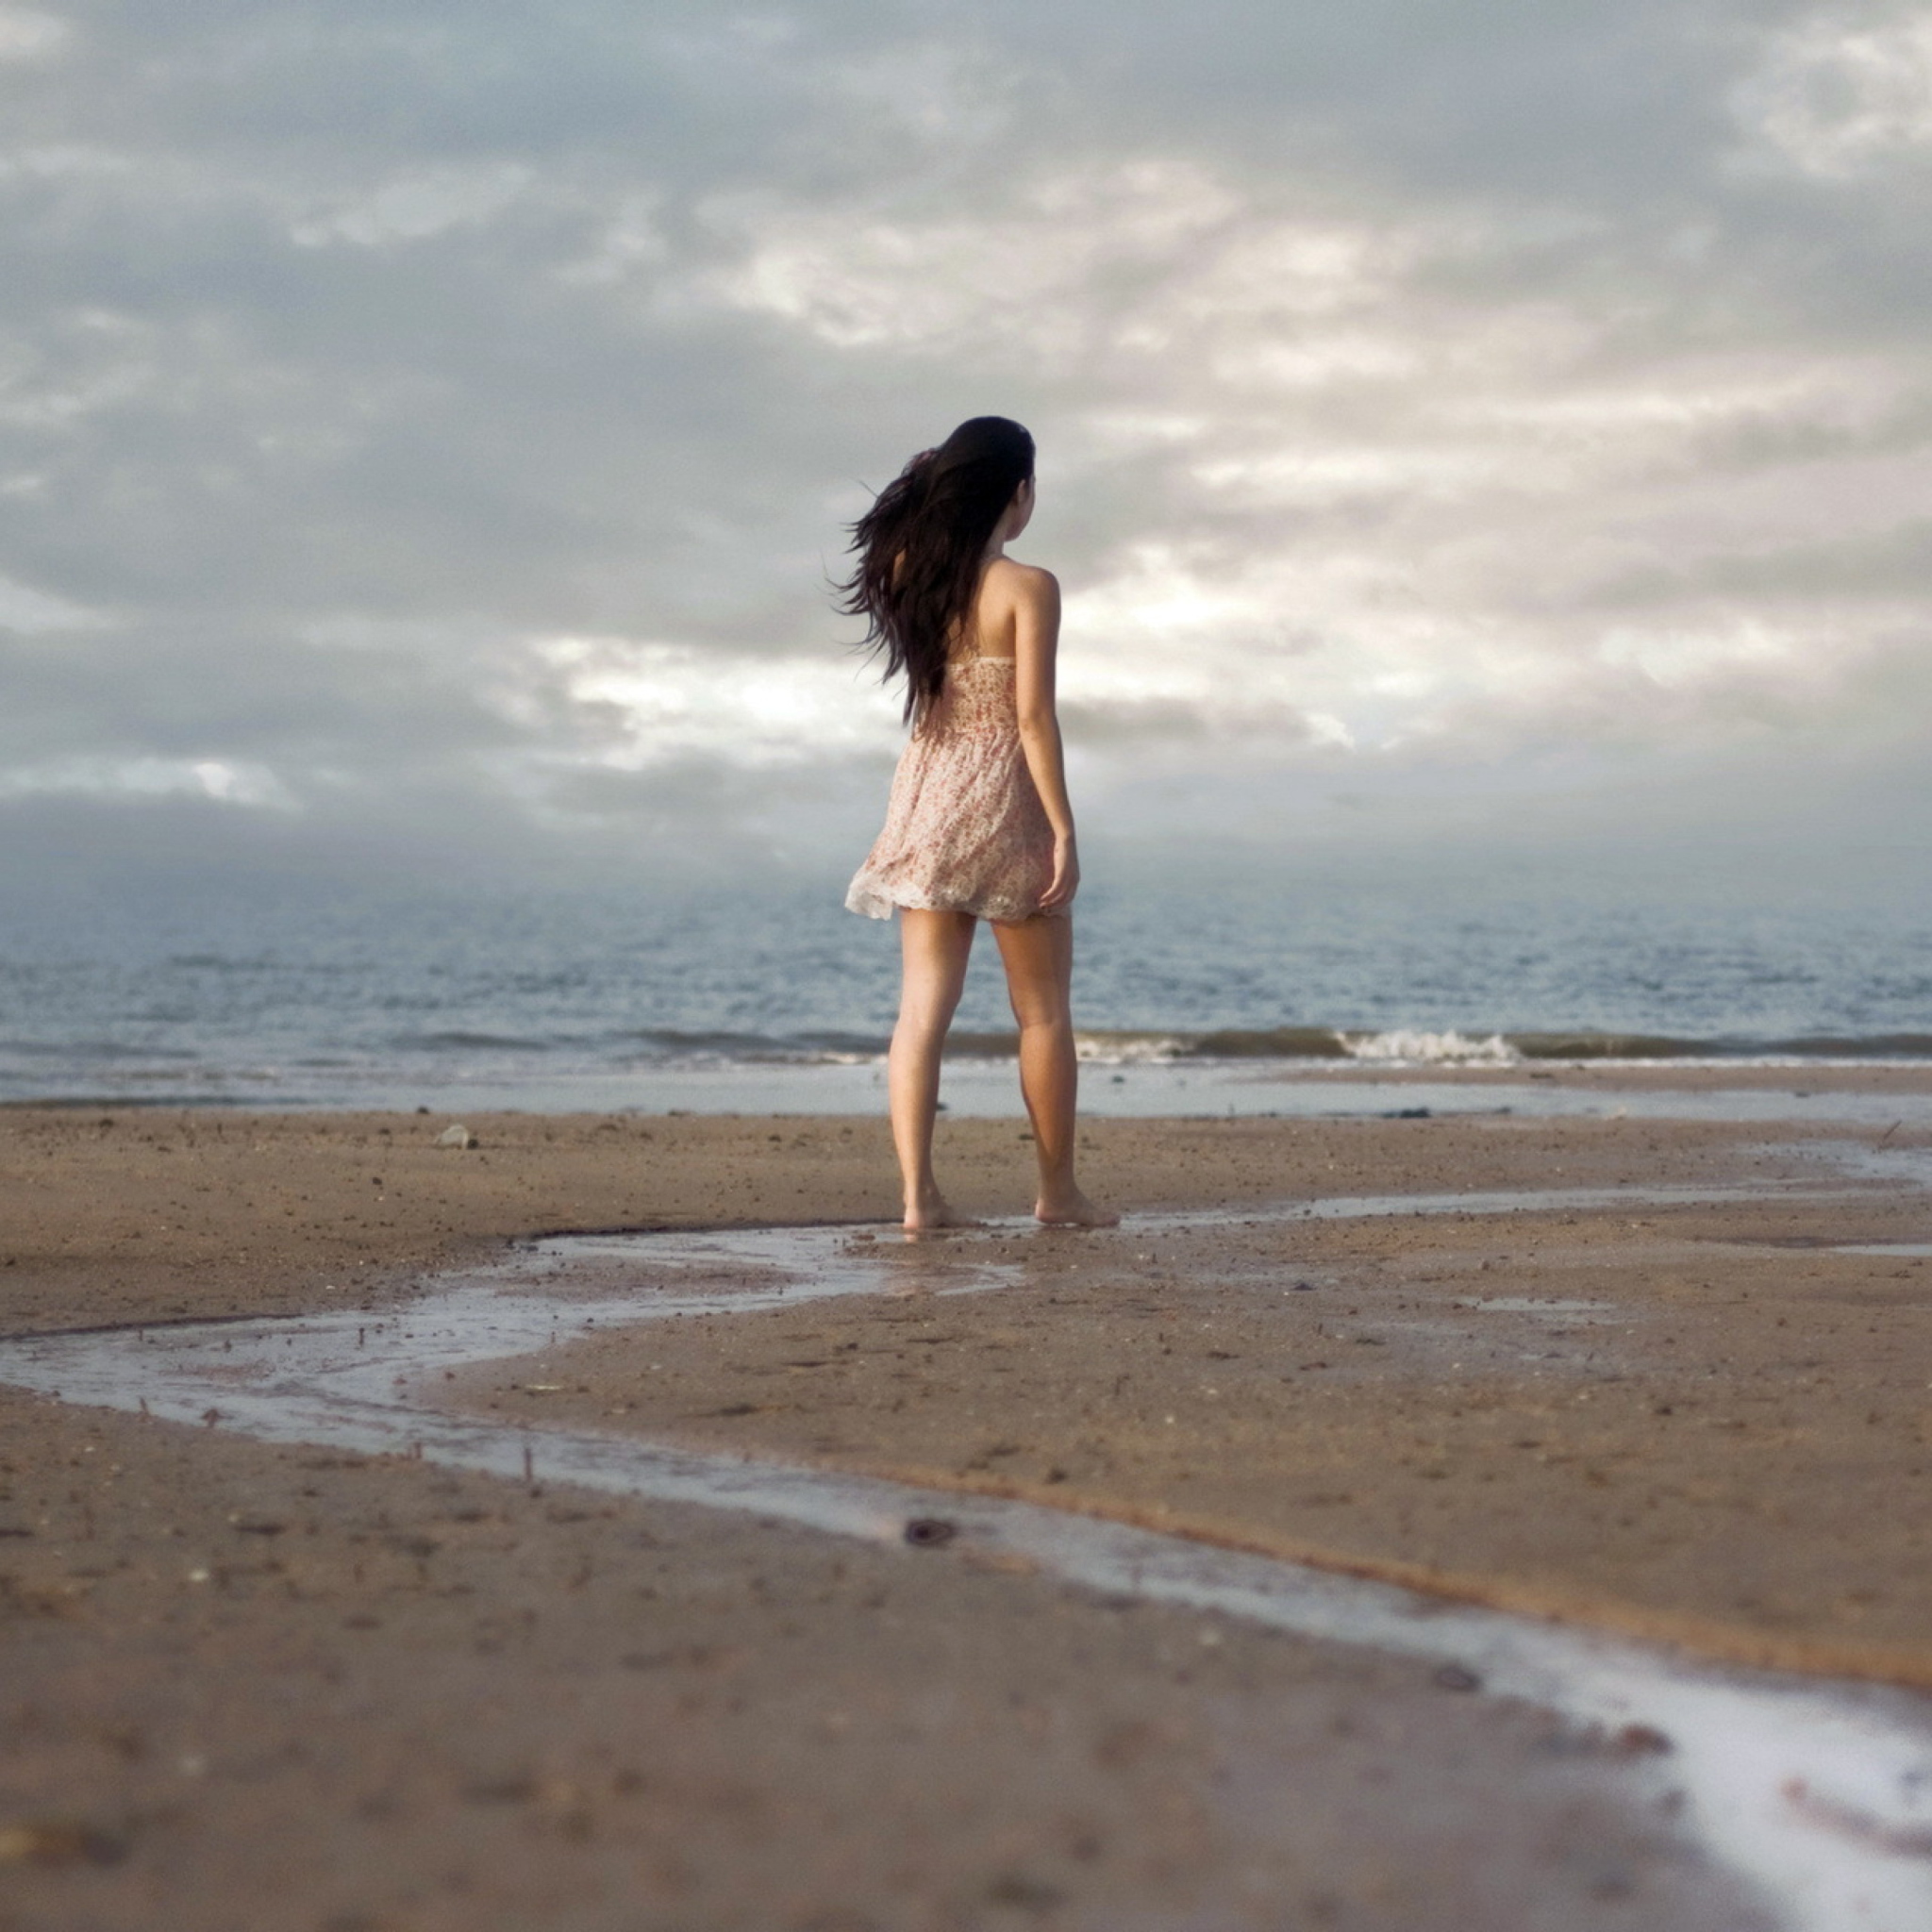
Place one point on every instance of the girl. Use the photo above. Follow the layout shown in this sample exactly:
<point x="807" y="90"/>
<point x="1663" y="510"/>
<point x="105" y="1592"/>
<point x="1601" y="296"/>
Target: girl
<point x="979" y="825"/>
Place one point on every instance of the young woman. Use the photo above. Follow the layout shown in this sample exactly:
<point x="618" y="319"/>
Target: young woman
<point x="979" y="825"/>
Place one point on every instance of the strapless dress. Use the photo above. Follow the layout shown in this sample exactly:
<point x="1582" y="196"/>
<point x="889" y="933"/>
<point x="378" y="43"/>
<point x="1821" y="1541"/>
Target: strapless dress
<point x="965" y="830"/>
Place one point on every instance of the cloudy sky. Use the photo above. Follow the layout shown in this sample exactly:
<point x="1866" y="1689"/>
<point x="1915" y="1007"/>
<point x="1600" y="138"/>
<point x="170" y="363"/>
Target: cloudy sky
<point x="426" y="429"/>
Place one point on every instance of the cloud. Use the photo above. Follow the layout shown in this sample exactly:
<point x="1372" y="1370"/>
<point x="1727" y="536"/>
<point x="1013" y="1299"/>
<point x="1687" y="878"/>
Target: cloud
<point x="27" y="610"/>
<point x="147" y="777"/>
<point x="447" y="417"/>
<point x="415" y="207"/>
<point x="1844" y="92"/>
<point x="26" y="34"/>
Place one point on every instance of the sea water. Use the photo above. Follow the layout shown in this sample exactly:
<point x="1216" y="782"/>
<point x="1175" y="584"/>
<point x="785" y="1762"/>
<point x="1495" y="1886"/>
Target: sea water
<point x="772" y="996"/>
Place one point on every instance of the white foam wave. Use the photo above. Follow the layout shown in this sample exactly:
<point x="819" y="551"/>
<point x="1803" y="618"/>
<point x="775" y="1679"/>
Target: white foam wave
<point x="1126" y="1050"/>
<point x="1406" y="1044"/>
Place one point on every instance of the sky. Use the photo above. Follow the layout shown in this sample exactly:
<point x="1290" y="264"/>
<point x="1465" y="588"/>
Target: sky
<point x="1497" y="428"/>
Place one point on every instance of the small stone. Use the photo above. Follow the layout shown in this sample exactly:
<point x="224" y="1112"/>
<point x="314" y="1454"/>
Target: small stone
<point x="458" y="1136"/>
<point x="1453" y="1677"/>
<point x="928" y="1532"/>
<point x="58" y="1841"/>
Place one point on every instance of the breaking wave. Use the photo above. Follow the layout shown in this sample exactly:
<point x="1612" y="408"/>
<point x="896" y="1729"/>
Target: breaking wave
<point x="1414" y="1047"/>
<point x="1430" y="1049"/>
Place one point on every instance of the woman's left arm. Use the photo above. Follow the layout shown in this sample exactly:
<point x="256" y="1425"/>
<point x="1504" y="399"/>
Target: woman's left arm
<point x="1035" y="646"/>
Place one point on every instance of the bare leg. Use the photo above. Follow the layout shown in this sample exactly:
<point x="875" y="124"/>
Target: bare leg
<point x="1038" y="958"/>
<point x="933" y="948"/>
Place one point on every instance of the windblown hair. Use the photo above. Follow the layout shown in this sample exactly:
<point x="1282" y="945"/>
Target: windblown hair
<point x="920" y="545"/>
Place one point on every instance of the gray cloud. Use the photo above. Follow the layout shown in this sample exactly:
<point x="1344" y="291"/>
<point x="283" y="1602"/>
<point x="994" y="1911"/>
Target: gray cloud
<point x="446" y="417"/>
<point x="1894" y="565"/>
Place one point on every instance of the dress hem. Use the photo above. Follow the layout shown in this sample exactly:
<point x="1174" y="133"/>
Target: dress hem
<point x="870" y="902"/>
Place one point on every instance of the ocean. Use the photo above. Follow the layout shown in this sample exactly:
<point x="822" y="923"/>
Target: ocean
<point x="1189" y="993"/>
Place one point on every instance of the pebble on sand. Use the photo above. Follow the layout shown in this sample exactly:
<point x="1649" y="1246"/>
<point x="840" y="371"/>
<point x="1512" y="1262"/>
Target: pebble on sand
<point x="458" y="1136"/>
<point x="58" y="1841"/>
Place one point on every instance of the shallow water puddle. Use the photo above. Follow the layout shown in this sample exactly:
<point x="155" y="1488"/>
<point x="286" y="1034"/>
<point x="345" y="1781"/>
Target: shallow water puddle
<point x="1819" y="1793"/>
<point x="1499" y="1201"/>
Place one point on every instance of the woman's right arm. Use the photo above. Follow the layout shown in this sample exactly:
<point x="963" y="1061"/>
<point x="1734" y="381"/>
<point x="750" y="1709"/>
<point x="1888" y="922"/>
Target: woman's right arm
<point x="1036" y="647"/>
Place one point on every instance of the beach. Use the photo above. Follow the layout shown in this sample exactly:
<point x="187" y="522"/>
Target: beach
<point x="1421" y="661"/>
<point x="1664" y="1378"/>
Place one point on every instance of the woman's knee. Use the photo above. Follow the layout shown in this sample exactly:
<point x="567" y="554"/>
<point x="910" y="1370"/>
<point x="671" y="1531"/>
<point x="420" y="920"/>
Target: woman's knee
<point x="921" y="1016"/>
<point x="1037" y="1006"/>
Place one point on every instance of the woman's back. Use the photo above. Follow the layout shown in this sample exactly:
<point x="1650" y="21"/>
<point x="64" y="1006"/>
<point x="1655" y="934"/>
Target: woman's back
<point x="991" y="627"/>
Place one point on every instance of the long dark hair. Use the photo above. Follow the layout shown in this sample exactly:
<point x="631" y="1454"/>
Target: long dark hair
<point x="920" y="544"/>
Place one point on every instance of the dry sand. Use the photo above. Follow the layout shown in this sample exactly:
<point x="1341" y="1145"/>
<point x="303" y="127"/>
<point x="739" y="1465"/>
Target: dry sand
<point x="256" y="1687"/>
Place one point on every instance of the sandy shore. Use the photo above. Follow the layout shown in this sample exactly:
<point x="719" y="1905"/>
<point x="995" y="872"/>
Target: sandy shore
<point x="1701" y="1423"/>
<point x="262" y="1687"/>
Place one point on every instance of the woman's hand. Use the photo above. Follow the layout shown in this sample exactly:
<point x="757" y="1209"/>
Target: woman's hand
<point x="1066" y="875"/>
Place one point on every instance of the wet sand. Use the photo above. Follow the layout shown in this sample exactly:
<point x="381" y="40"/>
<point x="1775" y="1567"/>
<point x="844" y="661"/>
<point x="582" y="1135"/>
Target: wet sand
<point x="262" y="1688"/>
<point x="1706" y="1424"/>
<point x="265" y="1687"/>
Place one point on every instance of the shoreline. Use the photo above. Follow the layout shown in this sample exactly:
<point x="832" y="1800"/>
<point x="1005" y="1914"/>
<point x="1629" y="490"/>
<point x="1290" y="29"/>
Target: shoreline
<point x="1143" y="1089"/>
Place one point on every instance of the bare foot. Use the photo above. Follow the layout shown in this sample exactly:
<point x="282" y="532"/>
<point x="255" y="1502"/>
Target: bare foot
<point x="1073" y="1209"/>
<point x="930" y="1216"/>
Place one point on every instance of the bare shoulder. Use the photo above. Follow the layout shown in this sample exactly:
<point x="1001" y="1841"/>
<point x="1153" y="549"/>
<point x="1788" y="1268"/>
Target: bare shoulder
<point x="1024" y="584"/>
